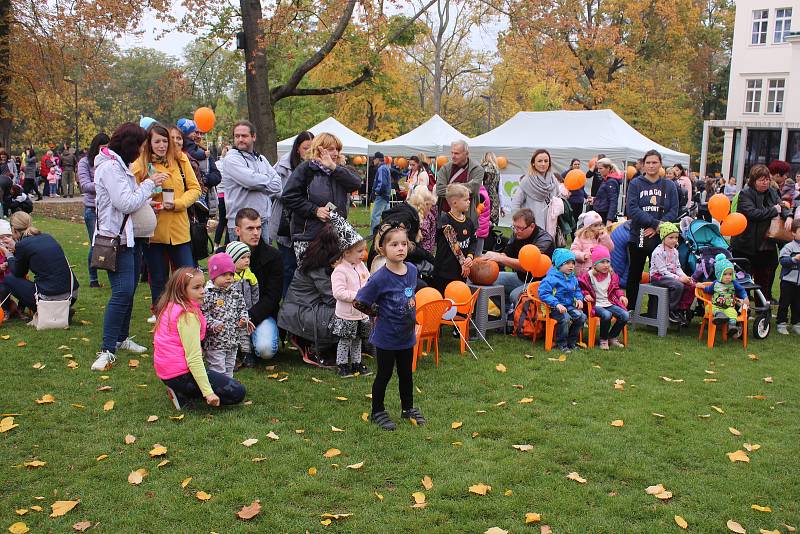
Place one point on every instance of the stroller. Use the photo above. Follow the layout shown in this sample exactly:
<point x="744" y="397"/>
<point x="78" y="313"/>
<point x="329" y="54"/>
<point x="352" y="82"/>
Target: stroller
<point x="702" y="241"/>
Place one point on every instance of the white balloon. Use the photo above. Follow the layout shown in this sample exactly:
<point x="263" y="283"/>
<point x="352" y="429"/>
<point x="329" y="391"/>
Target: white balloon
<point x="451" y="313"/>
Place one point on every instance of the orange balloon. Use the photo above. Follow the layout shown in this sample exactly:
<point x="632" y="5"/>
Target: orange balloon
<point x="544" y="265"/>
<point x="426" y="295"/>
<point x="458" y="292"/>
<point x="733" y="224"/>
<point x="441" y="160"/>
<point x="502" y="162"/>
<point x="204" y="119"/>
<point x="575" y="179"/>
<point x="401" y="163"/>
<point x="592" y="163"/>
<point x="387" y="160"/>
<point x="529" y="257"/>
<point x="719" y="206"/>
<point x="2" y="315"/>
<point x="646" y="277"/>
<point x="630" y="171"/>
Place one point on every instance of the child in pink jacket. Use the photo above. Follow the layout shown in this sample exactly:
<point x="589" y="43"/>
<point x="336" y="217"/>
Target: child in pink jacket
<point x="591" y="232"/>
<point x="348" y="323"/>
<point x="484" y="222"/>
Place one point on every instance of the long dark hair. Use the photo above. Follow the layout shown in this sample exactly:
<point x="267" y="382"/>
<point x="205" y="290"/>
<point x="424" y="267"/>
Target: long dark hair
<point x="294" y="155"/>
<point x="94" y="148"/>
<point x="321" y="251"/>
<point x="127" y="141"/>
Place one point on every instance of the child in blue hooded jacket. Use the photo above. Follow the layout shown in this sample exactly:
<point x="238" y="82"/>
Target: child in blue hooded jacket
<point x="560" y="290"/>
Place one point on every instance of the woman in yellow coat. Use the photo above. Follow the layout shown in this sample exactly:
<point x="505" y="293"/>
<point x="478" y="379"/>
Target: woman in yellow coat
<point x="169" y="246"/>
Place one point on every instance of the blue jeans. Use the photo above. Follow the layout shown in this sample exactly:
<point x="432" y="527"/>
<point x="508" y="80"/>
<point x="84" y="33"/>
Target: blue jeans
<point x="606" y="314"/>
<point x="265" y="339"/>
<point x="289" y="266"/>
<point x="378" y="207"/>
<point x="569" y="326"/>
<point x="53" y="189"/>
<point x="117" y="321"/>
<point x="90" y="218"/>
<point x="513" y="287"/>
<point x="228" y="390"/>
<point x="159" y="256"/>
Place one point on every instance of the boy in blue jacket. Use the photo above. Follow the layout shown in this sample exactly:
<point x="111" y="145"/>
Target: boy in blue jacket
<point x="560" y="290"/>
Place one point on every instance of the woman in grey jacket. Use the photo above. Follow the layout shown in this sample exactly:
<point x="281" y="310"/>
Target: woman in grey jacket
<point x="86" y="181"/>
<point x="118" y="197"/>
<point x="31" y="172"/>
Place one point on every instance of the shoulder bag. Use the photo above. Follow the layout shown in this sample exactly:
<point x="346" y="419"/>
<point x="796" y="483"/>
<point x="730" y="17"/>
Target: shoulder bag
<point x="105" y="248"/>
<point x="53" y="314"/>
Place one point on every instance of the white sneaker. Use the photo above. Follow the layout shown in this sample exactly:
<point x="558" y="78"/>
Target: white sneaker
<point x="104" y="361"/>
<point x="151" y="319"/>
<point x="796" y="329"/>
<point x="781" y="328"/>
<point x="130" y="345"/>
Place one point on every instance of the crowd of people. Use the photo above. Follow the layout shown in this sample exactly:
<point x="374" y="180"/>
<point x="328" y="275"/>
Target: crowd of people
<point x="288" y="266"/>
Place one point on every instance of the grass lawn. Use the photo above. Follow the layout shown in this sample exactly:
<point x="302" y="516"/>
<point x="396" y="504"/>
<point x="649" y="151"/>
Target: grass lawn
<point x="567" y="423"/>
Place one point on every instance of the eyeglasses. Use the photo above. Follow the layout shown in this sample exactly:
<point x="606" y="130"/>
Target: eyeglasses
<point x="520" y="228"/>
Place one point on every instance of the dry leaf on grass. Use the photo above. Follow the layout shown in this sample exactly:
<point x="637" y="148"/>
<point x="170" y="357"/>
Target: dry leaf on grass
<point x="81" y="526"/>
<point x="733" y="526"/>
<point x="202" y="496"/>
<point x="365" y="417"/>
<point x="681" y="522"/>
<point x="108" y="406"/>
<point x="129" y="439"/>
<point x="456" y="425"/>
<point x="104" y="388"/>
<point x="273" y="436"/>
<point x="312" y="471"/>
<point x="336" y="429"/>
<point x="332" y="453"/>
<point x="531" y="517"/>
<point x="136" y="477"/>
<point x="419" y="497"/>
<point x="523" y="448"/>
<point x="133" y="364"/>
<point x="734" y="431"/>
<point x="378" y="496"/>
<point x="495" y="530"/>
<point x="655" y="490"/>
<point x="617" y="423"/>
<point x="249" y="512"/>
<point x="152" y="419"/>
<point x="46" y="399"/>
<point x="359" y="465"/>
<point x="158" y="450"/>
<point x="768" y="379"/>
<point x="60" y="508"/>
<point x="751" y="448"/>
<point x="500" y="368"/>
<point x="576" y="477"/>
<point x="525" y="400"/>
<point x="480" y="489"/>
<point x="18" y="528"/>
<point x="21" y="511"/>
<point x="717" y="409"/>
<point x="35" y="463"/>
<point x="341" y="398"/>
<point x="6" y="424"/>
<point x="664" y="495"/>
<point x="758" y="508"/>
<point x="546" y="530"/>
<point x="177" y="417"/>
<point x="258" y="459"/>
<point x="427" y="483"/>
<point x="185" y="482"/>
<point x="738" y="456"/>
<point x="765" y="531"/>
<point x="162" y="463"/>
<point x="249" y="442"/>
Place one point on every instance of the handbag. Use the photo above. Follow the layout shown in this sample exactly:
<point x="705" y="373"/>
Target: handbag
<point x="105" y="248"/>
<point x="53" y="314"/>
<point x="777" y="231"/>
<point x="199" y="240"/>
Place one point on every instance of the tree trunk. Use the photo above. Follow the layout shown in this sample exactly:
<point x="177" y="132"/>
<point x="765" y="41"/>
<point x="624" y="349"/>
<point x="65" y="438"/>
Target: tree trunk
<point x="5" y="77"/>
<point x="259" y="103"/>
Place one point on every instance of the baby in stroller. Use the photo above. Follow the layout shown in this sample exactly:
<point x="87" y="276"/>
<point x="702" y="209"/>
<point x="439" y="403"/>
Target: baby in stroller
<point x="728" y="296"/>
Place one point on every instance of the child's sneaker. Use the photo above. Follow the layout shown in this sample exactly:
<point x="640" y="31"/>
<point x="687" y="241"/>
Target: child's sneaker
<point x="413" y="414"/>
<point x="783" y="329"/>
<point x="614" y="342"/>
<point x="361" y="369"/>
<point x="675" y="317"/>
<point x="344" y="370"/>
<point x="575" y="347"/>
<point x="104" y="361"/>
<point x="563" y="348"/>
<point x="383" y="420"/>
<point x="734" y="331"/>
<point x="796" y="329"/>
<point x="603" y="344"/>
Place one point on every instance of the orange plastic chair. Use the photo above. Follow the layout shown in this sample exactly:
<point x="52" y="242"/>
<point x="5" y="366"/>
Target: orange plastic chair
<point x="543" y="316"/>
<point x="463" y="318"/>
<point x="594" y="323"/>
<point x="708" y="318"/>
<point x="429" y="319"/>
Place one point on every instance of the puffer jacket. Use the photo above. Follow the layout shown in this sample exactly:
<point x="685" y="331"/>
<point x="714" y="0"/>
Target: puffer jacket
<point x="308" y="189"/>
<point x="308" y="307"/>
<point x="557" y="288"/>
<point x="759" y="208"/>
<point x="615" y="292"/>
<point x="605" y="202"/>
<point x="583" y="251"/>
<point x="484" y="217"/>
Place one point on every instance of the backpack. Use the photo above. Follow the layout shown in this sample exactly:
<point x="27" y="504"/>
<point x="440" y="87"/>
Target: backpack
<point x="525" y="323"/>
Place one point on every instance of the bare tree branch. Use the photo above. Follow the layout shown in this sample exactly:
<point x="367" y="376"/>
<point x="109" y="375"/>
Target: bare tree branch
<point x="365" y="75"/>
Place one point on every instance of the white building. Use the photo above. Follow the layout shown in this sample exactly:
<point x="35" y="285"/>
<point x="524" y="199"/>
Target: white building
<point x="762" y="122"/>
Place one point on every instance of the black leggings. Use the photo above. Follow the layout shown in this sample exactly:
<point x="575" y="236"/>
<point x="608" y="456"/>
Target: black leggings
<point x="638" y="257"/>
<point x="790" y="299"/>
<point x="386" y="360"/>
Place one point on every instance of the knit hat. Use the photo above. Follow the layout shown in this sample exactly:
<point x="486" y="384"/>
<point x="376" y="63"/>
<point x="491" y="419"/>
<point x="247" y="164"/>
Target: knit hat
<point x="348" y="236"/>
<point x="5" y="227"/>
<point x="236" y="250"/>
<point x="600" y="253"/>
<point x="721" y="264"/>
<point x="145" y="122"/>
<point x="666" y="228"/>
<point x="219" y="264"/>
<point x="562" y="256"/>
<point x="589" y="218"/>
<point x="378" y="155"/>
<point x="186" y="126"/>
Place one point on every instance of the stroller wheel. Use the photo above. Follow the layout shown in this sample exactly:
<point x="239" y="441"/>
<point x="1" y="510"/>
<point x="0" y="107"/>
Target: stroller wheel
<point x="761" y="327"/>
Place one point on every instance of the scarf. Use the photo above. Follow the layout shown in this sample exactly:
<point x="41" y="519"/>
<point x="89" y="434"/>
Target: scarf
<point x="161" y="160"/>
<point x="541" y="188"/>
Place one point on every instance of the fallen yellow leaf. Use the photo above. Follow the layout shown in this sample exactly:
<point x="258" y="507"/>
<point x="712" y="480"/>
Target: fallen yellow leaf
<point x="39" y="365"/>
<point x="72" y="364"/>
<point x="751" y="448"/>
<point x="734" y="431"/>
<point x="365" y="417"/>
<point x="576" y="477"/>
<point x="108" y="406"/>
<point x="427" y="483"/>
<point x="655" y="490"/>
<point x="37" y="508"/>
<point x="495" y="530"/>
<point x="359" y="465"/>
<point x="133" y="364"/>
<point x="59" y="508"/>
<point x="617" y="423"/>
<point x="456" y="425"/>
<point x="249" y="442"/>
<point x="681" y="522"/>
<point x="523" y="448"/>
<point x="202" y="496"/>
<point x="531" y="517"/>
<point x="18" y="528"/>
<point x="331" y="453"/>
<point x="46" y="399"/>
<point x="738" y="456"/>
<point x="163" y="463"/>
<point x="378" y="496"/>
<point x="480" y="489"/>
<point x="35" y="463"/>
<point x="660" y="416"/>
<point x="312" y="471"/>
<point x="249" y="512"/>
<point x="733" y="526"/>
<point x="765" y="531"/>
<point x="758" y="508"/>
<point x="525" y="400"/>
<point x="768" y="379"/>
<point x="21" y="511"/>
<point x="562" y="358"/>
<point x="335" y="429"/>
<point x="335" y="516"/>
<point x="325" y="522"/>
<point x="752" y="357"/>
<point x="152" y="419"/>
<point x="185" y="482"/>
<point x="22" y="344"/>
<point x="664" y="495"/>
<point x="273" y="436"/>
<point x="136" y="477"/>
<point x="258" y="459"/>
<point x="341" y="398"/>
<point x="6" y="424"/>
<point x="75" y="405"/>
<point x="418" y="497"/>
<point x="177" y="417"/>
<point x="501" y="368"/>
<point x="129" y="439"/>
<point x="158" y="450"/>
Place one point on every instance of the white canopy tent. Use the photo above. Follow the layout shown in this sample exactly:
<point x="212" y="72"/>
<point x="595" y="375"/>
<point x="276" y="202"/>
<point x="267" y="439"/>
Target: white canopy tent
<point x="433" y="137"/>
<point x="352" y="143"/>
<point x="567" y="135"/>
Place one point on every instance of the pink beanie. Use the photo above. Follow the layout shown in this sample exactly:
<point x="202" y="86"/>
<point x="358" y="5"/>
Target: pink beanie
<point x="219" y="264"/>
<point x="600" y="253"/>
<point x="588" y="218"/>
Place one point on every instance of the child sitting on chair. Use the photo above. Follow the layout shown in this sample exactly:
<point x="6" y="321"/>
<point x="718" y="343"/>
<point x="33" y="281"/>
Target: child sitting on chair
<point x="600" y="286"/>
<point x="560" y="290"/>
<point x="665" y="271"/>
<point x="727" y="295"/>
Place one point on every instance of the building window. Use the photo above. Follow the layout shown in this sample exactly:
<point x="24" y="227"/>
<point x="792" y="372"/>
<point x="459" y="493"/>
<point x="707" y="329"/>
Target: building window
<point x="775" y="91"/>
<point x="752" y="99"/>
<point x="760" y="18"/>
<point x="783" y="23"/>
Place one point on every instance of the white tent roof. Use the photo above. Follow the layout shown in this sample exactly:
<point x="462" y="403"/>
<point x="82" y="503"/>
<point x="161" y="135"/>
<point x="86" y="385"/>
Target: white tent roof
<point x="432" y="137"/>
<point x="567" y="135"/>
<point x="352" y="143"/>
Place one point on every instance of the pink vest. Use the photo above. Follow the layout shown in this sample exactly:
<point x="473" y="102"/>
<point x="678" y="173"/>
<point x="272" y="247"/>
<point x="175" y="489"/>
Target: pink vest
<point x="169" y="358"/>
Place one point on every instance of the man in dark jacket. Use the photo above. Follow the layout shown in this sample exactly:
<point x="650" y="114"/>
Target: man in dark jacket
<point x="525" y="233"/>
<point x="266" y="264"/>
<point x="69" y="163"/>
<point x="382" y="193"/>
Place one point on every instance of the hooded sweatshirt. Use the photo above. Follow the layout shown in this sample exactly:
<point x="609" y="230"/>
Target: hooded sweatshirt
<point x="558" y="288"/>
<point x="650" y="203"/>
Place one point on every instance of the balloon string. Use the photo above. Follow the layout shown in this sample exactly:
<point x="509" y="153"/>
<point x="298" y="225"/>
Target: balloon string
<point x="479" y="333"/>
<point x="466" y="342"/>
